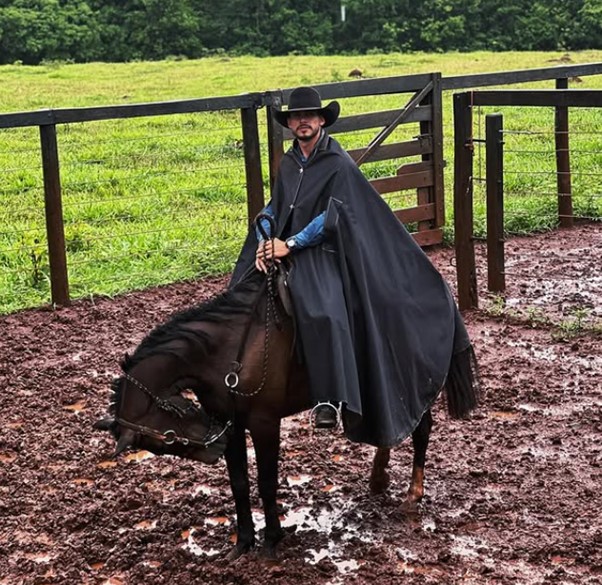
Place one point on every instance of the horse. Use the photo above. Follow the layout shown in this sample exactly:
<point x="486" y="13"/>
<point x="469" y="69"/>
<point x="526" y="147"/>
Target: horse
<point x="198" y="382"/>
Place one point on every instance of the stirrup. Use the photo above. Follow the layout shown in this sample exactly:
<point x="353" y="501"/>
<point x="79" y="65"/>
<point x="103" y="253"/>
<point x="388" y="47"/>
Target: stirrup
<point x="312" y="412"/>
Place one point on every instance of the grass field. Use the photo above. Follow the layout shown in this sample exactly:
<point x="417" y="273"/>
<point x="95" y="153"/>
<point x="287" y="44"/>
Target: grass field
<point x="149" y="201"/>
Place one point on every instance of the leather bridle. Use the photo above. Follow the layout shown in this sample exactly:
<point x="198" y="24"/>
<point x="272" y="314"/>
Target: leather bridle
<point x="170" y="437"/>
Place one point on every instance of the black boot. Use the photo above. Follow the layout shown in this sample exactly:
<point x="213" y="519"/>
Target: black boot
<point x="326" y="416"/>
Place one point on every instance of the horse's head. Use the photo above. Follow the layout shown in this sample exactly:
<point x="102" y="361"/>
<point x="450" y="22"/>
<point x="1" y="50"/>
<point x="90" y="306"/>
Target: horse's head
<point x="166" y="422"/>
<point x="202" y="348"/>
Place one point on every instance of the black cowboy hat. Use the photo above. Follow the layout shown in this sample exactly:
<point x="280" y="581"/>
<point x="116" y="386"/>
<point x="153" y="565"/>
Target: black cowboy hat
<point x="305" y="99"/>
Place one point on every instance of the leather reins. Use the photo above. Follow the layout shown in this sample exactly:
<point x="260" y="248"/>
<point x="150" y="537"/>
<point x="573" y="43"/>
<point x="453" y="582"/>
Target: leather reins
<point x="170" y="436"/>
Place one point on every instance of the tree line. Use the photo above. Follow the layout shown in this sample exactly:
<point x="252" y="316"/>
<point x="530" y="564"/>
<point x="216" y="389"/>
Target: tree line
<point x="32" y="31"/>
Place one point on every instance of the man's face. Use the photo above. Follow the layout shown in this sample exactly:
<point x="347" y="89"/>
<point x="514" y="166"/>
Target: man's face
<point x="305" y="125"/>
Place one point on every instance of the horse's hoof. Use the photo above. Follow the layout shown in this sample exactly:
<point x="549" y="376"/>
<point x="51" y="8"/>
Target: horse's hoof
<point x="379" y="484"/>
<point x="268" y="550"/>
<point x="268" y="553"/>
<point x="238" y="551"/>
<point x="410" y="504"/>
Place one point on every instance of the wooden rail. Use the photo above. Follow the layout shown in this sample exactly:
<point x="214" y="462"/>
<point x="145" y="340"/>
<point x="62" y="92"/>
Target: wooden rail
<point x="429" y="212"/>
<point x="94" y="114"/>
<point x="520" y="76"/>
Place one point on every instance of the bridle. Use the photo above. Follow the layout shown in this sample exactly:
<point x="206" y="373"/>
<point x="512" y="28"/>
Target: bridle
<point x="231" y="379"/>
<point x="170" y="437"/>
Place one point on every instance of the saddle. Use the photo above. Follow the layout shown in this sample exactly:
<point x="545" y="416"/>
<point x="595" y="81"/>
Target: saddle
<point x="284" y="294"/>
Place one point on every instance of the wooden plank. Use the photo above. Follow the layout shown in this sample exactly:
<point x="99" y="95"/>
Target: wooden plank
<point x="401" y="118"/>
<point x="253" y="172"/>
<point x="22" y="119"/>
<point x="70" y="115"/>
<point x="423" y="195"/>
<point x="377" y="119"/>
<point x="414" y="214"/>
<point x="463" y="203"/>
<point x="417" y="167"/>
<point x="53" y="207"/>
<point x="371" y="120"/>
<point x="520" y="76"/>
<point x="275" y="140"/>
<point x="402" y="182"/>
<point x="428" y="238"/>
<point x="496" y="281"/>
<point x="367" y="87"/>
<point x="421" y="145"/>
<point x="427" y="194"/>
<point x="563" y="161"/>
<point x="539" y="97"/>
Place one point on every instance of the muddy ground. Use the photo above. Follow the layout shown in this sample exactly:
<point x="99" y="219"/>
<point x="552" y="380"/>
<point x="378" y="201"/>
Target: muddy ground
<point x="513" y="495"/>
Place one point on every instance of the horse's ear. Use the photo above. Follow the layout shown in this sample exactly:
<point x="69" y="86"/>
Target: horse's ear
<point x="126" y="439"/>
<point x="104" y="424"/>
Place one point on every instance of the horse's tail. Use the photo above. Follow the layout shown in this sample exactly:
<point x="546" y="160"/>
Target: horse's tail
<point x="462" y="390"/>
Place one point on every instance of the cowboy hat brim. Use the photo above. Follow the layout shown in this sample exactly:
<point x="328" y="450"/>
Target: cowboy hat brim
<point x="330" y="113"/>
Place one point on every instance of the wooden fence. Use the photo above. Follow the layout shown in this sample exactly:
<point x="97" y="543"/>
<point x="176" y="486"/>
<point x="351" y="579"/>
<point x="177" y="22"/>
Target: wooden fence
<point x="426" y="177"/>
<point x="464" y="103"/>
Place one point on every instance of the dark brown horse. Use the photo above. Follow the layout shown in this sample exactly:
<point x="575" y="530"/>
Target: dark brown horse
<point x="237" y="355"/>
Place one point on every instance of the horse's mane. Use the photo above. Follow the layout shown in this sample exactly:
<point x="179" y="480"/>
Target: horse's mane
<point x="237" y="301"/>
<point x="222" y="308"/>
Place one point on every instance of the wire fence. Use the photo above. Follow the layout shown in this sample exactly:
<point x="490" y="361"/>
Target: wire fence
<point x="145" y="202"/>
<point x="561" y="282"/>
<point x="530" y="179"/>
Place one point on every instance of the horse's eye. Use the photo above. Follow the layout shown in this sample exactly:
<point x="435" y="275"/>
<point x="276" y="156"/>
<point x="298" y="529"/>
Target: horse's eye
<point x="189" y="395"/>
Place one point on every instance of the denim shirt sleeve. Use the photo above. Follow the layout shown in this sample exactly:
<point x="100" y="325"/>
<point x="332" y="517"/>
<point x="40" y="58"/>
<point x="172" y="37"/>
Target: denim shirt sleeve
<point x="267" y="210"/>
<point x="312" y="234"/>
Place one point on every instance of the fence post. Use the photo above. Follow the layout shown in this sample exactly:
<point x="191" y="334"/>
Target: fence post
<point x="275" y="135"/>
<point x="53" y="206"/>
<point x="463" y="212"/>
<point x="438" y="159"/>
<point x="496" y="279"/>
<point x="250" y="136"/>
<point x="563" y="163"/>
<point x="434" y="128"/>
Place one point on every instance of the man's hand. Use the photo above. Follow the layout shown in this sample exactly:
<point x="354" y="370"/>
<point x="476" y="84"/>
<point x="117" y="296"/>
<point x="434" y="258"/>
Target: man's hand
<point x="270" y="250"/>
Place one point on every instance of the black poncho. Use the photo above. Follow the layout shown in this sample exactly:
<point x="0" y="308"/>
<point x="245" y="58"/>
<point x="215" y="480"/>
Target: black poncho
<point x="378" y="325"/>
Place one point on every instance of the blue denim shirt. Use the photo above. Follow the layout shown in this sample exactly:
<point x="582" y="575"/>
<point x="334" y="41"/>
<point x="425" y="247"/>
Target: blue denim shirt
<point x="311" y="235"/>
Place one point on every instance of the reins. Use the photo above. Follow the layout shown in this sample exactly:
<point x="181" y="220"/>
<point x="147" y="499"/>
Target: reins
<point x="170" y="436"/>
<point x="231" y="380"/>
<point x="162" y="403"/>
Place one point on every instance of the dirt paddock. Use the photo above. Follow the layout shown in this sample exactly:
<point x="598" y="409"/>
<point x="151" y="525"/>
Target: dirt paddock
<point x="513" y="495"/>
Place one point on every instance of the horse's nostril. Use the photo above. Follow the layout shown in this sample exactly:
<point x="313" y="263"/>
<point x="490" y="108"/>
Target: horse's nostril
<point x="104" y="424"/>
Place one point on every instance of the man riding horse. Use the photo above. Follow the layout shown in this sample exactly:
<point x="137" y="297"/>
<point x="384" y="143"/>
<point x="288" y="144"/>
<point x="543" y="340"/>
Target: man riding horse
<point x="378" y="329"/>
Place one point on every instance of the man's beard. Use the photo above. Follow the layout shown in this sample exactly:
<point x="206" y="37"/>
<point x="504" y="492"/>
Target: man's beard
<point x="306" y="137"/>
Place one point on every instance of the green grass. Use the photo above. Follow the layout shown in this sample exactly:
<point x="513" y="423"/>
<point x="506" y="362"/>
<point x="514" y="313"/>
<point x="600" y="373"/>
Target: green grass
<point x="149" y="201"/>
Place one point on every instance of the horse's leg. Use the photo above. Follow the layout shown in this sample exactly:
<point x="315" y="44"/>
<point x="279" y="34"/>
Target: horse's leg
<point x="379" y="478"/>
<point x="238" y="471"/>
<point x="420" y="440"/>
<point x="266" y="439"/>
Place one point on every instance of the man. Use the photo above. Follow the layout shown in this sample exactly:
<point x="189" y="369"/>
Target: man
<point x="378" y="327"/>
